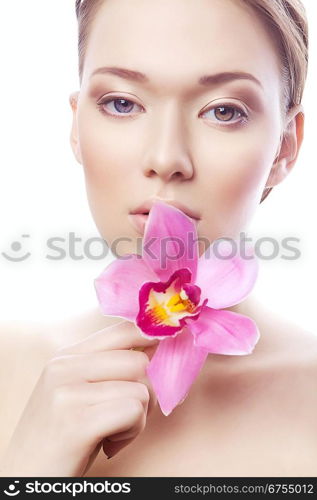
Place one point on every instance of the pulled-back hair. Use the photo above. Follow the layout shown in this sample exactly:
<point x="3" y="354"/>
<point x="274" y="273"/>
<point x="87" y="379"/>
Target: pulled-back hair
<point x="285" y="18"/>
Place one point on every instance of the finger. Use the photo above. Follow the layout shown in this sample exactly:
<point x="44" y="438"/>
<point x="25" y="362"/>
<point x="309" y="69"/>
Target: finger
<point x="97" y="392"/>
<point x="112" y="417"/>
<point x="150" y="351"/>
<point x="153" y="399"/>
<point x="97" y="366"/>
<point x="124" y="335"/>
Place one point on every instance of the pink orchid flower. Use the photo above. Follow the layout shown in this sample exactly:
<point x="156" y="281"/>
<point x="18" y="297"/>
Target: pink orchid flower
<point x="165" y="293"/>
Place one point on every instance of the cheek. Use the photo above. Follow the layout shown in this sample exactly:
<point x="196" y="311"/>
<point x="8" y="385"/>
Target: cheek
<point x="238" y="163"/>
<point x="106" y="150"/>
<point x="235" y="167"/>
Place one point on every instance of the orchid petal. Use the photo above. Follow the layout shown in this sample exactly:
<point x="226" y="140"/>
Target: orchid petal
<point x="224" y="279"/>
<point x="170" y="241"/>
<point x="173" y="369"/>
<point x="118" y="286"/>
<point x="224" y="332"/>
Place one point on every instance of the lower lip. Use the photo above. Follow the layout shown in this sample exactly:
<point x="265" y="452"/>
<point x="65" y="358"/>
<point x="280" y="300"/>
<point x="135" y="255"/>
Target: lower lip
<point x="138" y="221"/>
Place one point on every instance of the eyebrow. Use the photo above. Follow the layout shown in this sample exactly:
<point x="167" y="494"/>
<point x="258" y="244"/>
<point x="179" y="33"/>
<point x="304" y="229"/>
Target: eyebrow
<point x="205" y="80"/>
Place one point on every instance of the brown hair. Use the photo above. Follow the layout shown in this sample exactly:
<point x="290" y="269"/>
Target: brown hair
<point x="286" y="18"/>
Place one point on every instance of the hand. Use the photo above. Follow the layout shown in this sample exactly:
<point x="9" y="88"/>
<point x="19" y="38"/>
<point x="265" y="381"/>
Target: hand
<point x="90" y="394"/>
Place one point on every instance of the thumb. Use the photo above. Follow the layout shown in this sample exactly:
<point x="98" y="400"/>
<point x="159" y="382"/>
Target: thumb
<point x="111" y="448"/>
<point x="150" y="350"/>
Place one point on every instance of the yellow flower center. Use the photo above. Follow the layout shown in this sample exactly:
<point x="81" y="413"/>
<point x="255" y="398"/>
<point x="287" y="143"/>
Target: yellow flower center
<point x="169" y="307"/>
<point x="180" y="302"/>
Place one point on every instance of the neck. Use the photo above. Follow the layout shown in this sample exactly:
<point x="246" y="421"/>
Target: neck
<point x="247" y="307"/>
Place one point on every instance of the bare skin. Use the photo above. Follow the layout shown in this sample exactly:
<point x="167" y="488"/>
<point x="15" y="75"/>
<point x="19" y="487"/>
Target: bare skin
<point x="256" y="415"/>
<point x="245" y="415"/>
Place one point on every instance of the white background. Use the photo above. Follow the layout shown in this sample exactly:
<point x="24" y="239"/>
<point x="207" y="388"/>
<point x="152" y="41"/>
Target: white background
<point x="43" y="194"/>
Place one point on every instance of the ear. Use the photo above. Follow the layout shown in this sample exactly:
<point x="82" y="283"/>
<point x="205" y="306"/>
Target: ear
<point x="73" y="101"/>
<point x="289" y="147"/>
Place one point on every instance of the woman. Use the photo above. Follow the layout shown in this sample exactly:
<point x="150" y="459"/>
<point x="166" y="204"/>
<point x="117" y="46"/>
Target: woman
<point x="194" y="102"/>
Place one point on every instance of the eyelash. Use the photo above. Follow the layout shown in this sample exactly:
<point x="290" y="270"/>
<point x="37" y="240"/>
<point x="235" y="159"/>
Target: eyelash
<point x="244" y="117"/>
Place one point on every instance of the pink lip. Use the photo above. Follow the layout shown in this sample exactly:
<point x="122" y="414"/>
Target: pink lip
<point x="138" y="221"/>
<point x="148" y="204"/>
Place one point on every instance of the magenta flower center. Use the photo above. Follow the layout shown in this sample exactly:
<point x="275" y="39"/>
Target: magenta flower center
<point x="166" y="306"/>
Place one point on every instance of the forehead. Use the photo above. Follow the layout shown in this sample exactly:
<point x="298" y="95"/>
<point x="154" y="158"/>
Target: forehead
<point x="176" y="41"/>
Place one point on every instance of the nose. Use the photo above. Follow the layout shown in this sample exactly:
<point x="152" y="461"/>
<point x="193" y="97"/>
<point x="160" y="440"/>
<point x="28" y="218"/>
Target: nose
<point x="167" y="147"/>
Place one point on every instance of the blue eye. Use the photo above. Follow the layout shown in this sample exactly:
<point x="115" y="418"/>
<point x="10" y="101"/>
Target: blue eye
<point x="120" y="105"/>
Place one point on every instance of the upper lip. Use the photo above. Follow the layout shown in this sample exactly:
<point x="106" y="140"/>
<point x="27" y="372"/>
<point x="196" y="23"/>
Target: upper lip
<point x="148" y="204"/>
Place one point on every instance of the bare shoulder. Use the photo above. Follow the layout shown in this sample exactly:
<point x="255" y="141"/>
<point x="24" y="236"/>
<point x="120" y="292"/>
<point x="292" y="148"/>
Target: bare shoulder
<point x="24" y="346"/>
<point x="299" y="382"/>
<point x="23" y="341"/>
<point x="24" y="349"/>
<point x="294" y="356"/>
<point x="18" y="338"/>
<point x="285" y="359"/>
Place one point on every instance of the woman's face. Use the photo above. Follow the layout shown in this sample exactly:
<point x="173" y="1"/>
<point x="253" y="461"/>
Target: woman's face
<point x="208" y="143"/>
